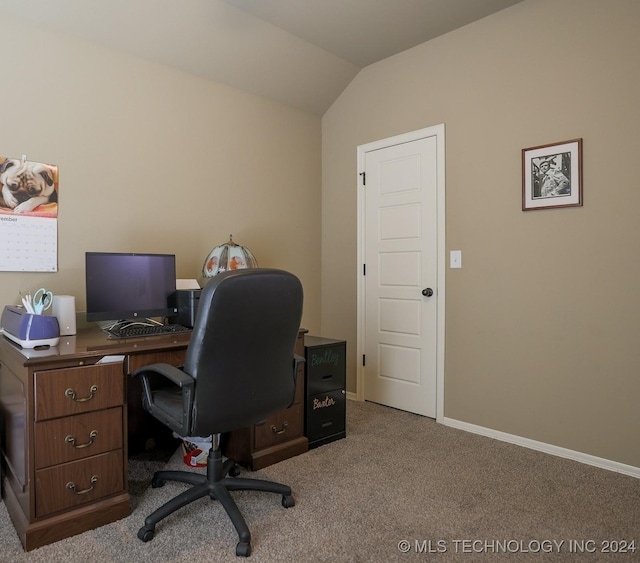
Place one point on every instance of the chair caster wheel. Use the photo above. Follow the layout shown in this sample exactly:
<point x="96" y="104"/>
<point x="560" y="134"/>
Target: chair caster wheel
<point x="157" y="482"/>
<point x="146" y="534"/>
<point x="243" y="549"/>
<point x="234" y="471"/>
<point x="288" y="501"/>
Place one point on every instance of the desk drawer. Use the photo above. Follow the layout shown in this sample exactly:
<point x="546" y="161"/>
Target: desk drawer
<point x="325" y="366"/>
<point x="280" y="427"/>
<point x="92" y="433"/>
<point x="172" y="357"/>
<point x="326" y="414"/>
<point x="64" y="392"/>
<point x="53" y="485"/>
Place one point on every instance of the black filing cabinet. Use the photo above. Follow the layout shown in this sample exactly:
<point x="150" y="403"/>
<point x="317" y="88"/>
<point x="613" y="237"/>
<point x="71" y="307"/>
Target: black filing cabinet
<point x="325" y="395"/>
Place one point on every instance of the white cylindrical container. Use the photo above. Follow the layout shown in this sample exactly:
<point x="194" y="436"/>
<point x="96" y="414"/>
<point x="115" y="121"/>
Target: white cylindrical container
<point x="64" y="309"/>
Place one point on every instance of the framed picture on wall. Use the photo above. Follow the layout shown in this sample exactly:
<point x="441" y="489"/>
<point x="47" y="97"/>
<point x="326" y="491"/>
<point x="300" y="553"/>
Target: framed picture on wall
<point x="552" y="176"/>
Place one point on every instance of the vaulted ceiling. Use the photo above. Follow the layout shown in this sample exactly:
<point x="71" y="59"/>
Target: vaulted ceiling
<point x="302" y="53"/>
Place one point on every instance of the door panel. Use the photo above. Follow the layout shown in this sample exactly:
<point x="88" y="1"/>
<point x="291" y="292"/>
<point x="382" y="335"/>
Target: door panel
<point x="399" y="316"/>
<point x="397" y="222"/>
<point x="400" y="363"/>
<point x="401" y="257"/>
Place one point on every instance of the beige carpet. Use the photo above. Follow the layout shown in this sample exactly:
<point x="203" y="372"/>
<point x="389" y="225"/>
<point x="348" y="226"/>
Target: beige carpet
<point x="395" y="477"/>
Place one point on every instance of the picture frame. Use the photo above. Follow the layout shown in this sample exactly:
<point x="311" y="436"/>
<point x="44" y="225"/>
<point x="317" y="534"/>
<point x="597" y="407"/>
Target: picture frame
<point x="552" y="175"/>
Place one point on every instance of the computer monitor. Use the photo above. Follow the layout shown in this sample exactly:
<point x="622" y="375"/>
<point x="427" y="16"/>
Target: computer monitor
<point x="124" y="286"/>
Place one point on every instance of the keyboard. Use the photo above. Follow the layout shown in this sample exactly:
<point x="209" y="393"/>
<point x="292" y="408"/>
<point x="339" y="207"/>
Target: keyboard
<point x="143" y="330"/>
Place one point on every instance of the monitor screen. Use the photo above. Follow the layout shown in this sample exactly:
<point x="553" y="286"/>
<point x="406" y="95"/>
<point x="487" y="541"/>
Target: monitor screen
<point x="129" y="286"/>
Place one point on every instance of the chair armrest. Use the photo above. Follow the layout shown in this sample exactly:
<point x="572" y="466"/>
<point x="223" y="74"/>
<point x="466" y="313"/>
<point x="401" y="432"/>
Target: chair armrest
<point x="172" y="373"/>
<point x="160" y="382"/>
<point x="297" y="360"/>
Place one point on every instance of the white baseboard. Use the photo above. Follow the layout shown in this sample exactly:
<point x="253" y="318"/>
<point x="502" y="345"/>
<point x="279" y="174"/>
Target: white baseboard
<point x="546" y="448"/>
<point x="535" y="445"/>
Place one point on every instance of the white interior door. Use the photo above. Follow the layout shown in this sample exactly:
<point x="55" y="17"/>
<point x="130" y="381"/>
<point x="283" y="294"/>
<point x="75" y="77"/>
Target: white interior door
<point x="402" y="289"/>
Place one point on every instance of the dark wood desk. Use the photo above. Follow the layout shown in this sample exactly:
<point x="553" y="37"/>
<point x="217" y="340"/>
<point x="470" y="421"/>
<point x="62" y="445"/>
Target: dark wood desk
<point x="66" y="419"/>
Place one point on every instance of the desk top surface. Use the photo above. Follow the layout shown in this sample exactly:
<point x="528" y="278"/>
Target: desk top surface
<point x="94" y="343"/>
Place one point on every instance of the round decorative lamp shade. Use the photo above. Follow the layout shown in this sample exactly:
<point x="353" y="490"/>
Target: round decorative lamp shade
<point x="228" y="256"/>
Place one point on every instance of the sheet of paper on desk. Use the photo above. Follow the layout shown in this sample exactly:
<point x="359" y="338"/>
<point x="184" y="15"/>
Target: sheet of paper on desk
<point x="187" y="284"/>
<point x="110" y="359"/>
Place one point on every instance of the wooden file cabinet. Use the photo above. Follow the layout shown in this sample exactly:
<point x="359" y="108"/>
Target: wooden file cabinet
<point x="78" y="436"/>
<point x="279" y="437"/>
<point x="64" y="428"/>
<point x="63" y="446"/>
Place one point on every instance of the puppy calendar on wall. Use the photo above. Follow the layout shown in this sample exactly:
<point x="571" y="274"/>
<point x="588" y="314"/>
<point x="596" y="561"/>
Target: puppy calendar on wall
<point x="28" y="216"/>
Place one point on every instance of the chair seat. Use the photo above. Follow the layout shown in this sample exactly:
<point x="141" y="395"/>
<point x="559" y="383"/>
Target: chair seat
<point x="168" y="401"/>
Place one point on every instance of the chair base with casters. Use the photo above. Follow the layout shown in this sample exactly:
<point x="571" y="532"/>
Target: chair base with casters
<point x="216" y="484"/>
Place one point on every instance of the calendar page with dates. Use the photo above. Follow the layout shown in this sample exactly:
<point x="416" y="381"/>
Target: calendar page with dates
<point x="28" y="244"/>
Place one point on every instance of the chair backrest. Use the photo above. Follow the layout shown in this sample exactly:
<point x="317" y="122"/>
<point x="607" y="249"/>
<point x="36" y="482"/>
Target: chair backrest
<point x="241" y="351"/>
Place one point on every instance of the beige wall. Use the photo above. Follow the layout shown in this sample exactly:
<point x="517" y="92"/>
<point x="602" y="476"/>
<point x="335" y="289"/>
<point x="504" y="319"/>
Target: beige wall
<point x="541" y="324"/>
<point x="542" y="321"/>
<point x="154" y="160"/>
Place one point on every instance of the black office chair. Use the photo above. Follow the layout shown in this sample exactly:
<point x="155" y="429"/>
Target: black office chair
<point x="239" y="368"/>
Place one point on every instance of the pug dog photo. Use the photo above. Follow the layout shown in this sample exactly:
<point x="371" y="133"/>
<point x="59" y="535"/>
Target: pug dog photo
<point x="27" y="185"/>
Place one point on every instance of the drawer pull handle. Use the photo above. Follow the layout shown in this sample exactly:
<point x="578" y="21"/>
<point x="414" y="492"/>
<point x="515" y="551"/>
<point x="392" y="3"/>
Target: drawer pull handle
<point x="71" y="440"/>
<point x="72" y="486"/>
<point x="282" y="430"/>
<point x="72" y="394"/>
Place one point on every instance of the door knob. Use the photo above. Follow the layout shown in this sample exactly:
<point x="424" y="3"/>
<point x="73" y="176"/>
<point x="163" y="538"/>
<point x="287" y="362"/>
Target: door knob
<point x="427" y="292"/>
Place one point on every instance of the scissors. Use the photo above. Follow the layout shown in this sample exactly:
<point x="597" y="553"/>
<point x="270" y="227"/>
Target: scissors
<point x="42" y="300"/>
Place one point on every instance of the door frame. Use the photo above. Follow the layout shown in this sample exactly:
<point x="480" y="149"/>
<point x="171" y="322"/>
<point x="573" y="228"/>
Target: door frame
<point x="438" y="132"/>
